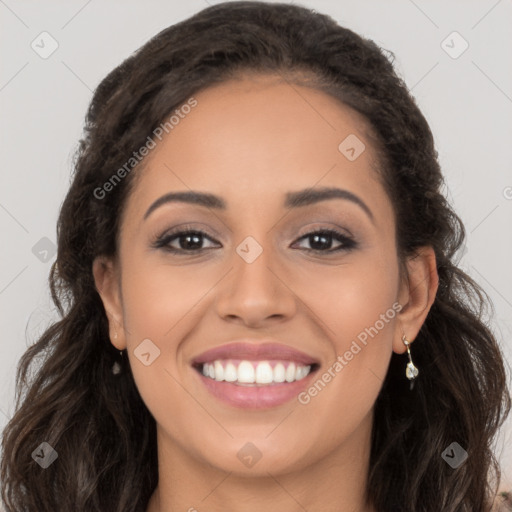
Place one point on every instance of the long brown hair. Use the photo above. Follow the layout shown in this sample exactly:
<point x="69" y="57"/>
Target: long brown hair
<point x="96" y="421"/>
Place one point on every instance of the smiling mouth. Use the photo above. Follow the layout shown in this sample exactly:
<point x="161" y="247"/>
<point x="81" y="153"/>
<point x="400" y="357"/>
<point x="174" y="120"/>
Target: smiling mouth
<point x="242" y="372"/>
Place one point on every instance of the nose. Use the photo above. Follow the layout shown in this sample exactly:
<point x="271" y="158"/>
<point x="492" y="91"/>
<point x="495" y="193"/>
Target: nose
<point x="256" y="293"/>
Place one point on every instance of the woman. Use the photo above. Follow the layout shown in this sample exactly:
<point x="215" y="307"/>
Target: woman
<point x="260" y="304"/>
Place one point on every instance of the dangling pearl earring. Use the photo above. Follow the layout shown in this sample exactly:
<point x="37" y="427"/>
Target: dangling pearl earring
<point x="411" y="372"/>
<point x="116" y="368"/>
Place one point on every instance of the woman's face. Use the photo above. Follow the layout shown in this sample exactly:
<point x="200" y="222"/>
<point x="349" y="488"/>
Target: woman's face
<point x="257" y="276"/>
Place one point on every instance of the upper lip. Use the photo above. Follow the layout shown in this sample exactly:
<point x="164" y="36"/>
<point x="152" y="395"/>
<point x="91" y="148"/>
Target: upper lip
<point x="257" y="350"/>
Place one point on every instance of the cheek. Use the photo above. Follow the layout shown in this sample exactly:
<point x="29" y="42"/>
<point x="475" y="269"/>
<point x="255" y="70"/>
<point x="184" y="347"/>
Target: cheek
<point x="162" y="303"/>
<point x="158" y="296"/>
<point x="351" y="296"/>
<point x="356" y="307"/>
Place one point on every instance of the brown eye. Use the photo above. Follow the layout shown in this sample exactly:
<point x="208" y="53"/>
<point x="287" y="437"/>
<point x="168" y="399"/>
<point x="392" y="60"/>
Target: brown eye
<point x="183" y="241"/>
<point x="321" y="241"/>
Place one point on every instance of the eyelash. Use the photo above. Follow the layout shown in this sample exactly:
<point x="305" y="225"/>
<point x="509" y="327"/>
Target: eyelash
<point x="163" y="241"/>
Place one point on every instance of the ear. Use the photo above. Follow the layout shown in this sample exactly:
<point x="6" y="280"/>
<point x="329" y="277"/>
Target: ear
<point x="418" y="290"/>
<point x="108" y="285"/>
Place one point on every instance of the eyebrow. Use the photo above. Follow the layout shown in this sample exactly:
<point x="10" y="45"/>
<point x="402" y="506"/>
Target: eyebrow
<point x="292" y="199"/>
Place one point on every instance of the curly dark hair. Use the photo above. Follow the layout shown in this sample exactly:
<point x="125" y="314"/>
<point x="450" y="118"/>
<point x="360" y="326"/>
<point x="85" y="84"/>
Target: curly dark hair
<point x="97" y="422"/>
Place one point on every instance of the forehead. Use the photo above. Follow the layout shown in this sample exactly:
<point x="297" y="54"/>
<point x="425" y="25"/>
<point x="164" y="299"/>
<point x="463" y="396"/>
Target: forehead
<point x="257" y="137"/>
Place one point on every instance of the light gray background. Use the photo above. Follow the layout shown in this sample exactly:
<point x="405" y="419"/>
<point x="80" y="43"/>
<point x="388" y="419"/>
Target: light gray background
<point x="467" y="101"/>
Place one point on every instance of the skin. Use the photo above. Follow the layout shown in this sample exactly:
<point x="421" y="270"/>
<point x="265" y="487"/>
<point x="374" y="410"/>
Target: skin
<point x="250" y="141"/>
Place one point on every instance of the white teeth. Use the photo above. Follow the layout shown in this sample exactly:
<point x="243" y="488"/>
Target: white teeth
<point x="264" y="373"/>
<point x="300" y="373"/>
<point x="245" y="372"/>
<point x="219" y="371"/>
<point x="290" y="373"/>
<point x="279" y="372"/>
<point x="249" y="372"/>
<point x="230" y="373"/>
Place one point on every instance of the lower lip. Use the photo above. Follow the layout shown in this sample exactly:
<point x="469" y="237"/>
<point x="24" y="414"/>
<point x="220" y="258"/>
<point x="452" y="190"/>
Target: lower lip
<point x="255" y="397"/>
